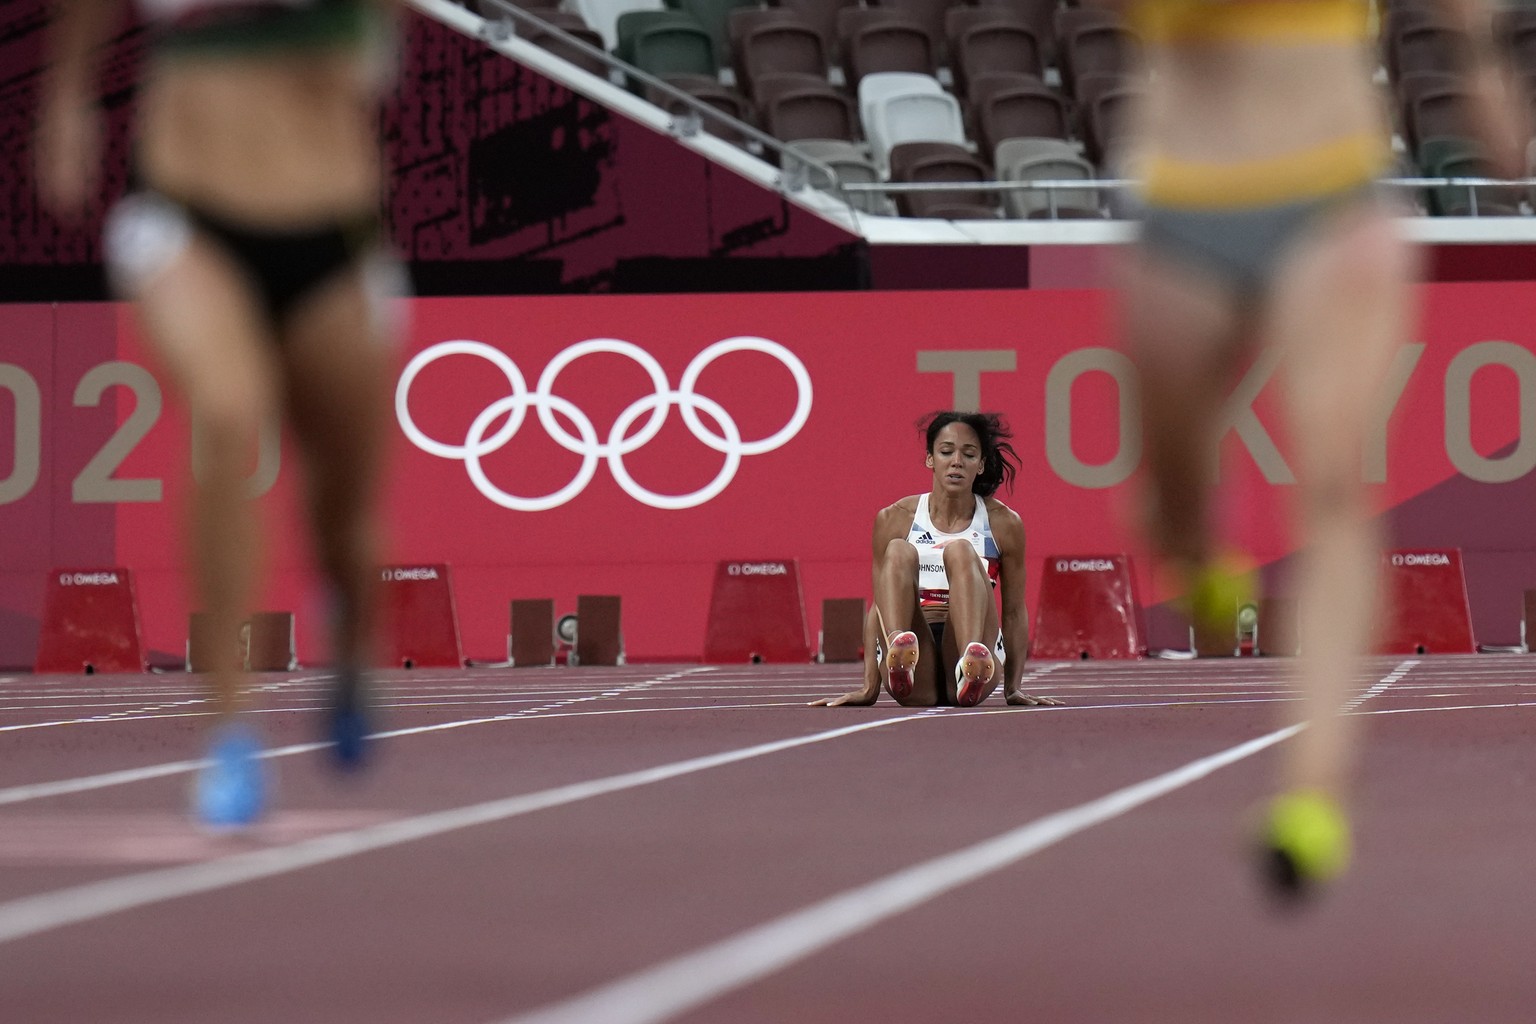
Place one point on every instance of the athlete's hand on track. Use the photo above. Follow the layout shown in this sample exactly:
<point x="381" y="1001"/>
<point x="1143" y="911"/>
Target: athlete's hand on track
<point x="853" y="698"/>
<point x="1025" y="700"/>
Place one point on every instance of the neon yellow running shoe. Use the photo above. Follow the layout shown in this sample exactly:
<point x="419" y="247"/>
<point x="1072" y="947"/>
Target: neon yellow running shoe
<point x="1305" y="842"/>
<point x="1218" y="592"/>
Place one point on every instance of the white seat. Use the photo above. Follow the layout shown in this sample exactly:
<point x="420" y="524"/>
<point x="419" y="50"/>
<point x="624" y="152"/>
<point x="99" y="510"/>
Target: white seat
<point x="913" y="117"/>
<point x="1027" y="159"/>
<point x="603" y="15"/>
<point x="851" y="165"/>
<point x="874" y="87"/>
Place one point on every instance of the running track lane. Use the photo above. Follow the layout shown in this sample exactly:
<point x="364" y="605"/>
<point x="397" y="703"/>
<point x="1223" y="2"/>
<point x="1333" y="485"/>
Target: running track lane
<point x="521" y="913"/>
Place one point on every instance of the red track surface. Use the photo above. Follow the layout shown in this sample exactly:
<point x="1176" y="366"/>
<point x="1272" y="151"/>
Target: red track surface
<point x="1110" y="914"/>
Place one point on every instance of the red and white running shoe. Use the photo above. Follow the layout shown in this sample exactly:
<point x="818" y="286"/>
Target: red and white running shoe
<point x="900" y="660"/>
<point x="972" y="674"/>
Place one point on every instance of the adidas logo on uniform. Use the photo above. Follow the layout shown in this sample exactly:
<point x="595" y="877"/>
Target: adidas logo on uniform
<point x="924" y="538"/>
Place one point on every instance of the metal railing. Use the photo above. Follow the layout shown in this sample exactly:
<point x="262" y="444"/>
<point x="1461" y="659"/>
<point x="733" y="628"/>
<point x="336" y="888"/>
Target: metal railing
<point x="1054" y="186"/>
<point x="797" y="170"/>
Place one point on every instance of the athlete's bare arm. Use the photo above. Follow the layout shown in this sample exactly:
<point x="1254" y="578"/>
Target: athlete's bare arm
<point x="69" y="132"/>
<point x="891" y="523"/>
<point x="1008" y="531"/>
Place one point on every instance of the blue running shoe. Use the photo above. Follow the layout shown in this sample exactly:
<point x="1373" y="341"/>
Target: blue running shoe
<point x="347" y="721"/>
<point x="231" y="790"/>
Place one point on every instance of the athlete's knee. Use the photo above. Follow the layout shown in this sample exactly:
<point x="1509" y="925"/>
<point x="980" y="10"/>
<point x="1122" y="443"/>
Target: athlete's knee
<point x="230" y="420"/>
<point x="960" y="558"/>
<point x="1333" y="491"/>
<point x="900" y="556"/>
<point x="1369" y="259"/>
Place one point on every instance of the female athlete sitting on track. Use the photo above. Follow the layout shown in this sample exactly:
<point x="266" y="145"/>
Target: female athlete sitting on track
<point x="937" y="558"/>
<point x="253" y="251"/>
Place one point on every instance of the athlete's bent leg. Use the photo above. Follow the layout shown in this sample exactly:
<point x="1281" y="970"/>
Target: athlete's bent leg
<point x="337" y="359"/>
<point x="972" y="624"/>
<point x="910" y="664"/>
<point x="1186" y="334"/>
<point x="205" y="329"/>
<point x="1342" y="310"/>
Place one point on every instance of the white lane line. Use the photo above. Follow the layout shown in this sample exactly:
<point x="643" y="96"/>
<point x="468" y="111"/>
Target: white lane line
<point x="1456" y="707"/>
<point x="689" y="981"/>
<point x="93" y="706"/>
<point x="32" y="915"/>
<point x="1402" y="669"/>
<point x="86" y="783"/>
<point x="81" y="784"/>
<point x="150" y="712"/>
<point x="696" y="978"/>
<point x="63" y="787"/>
<point x="142" y="713"/>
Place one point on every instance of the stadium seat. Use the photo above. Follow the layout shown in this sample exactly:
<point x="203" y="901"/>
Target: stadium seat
<point x="1094" y="47"/>
<point x="927" y="162"/>
<point x="918" y="116"/>
<point x="764" y="46"/>
<point x="714" y="15"/>
<point x="1426" y="47"/>
<point x="571" y="24"/>
<point x="979" y="46"/>
<point x="961" y="17"/>
<point x="873" y="90"/>
<point x="1045" y="160"/>
<point x="1013" y="107"/>
<point x="930" y="15"/>
<point x="741" y="20"/>
<point x="603" y="15"/>
<point x="1458" y="158"/>
<point x="1409" y="88"/>
<point x="875" y="39"/>
<point x="1073" y="18"/>
<point x="1090" y="87"/>
<point x="666" y="43"/>
<point x="850" y="164"/>
<point x="1039" y="15"/>
<point x="822" y="16"/>
<point x="711" y="91"/>
<point x="1105" y="121"/>
<point x="1520" y="39"/>
<point x="1399" y="19"/>
<point x="1437" y="111"/>
<point x="914" y="117"/>
<point x="792" y="107"/>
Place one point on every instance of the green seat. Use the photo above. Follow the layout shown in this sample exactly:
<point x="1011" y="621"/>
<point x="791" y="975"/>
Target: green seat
<point x="632" y="23"/>
<point x="1447" y="157"/>
<point x="665" y="43"/>
<point x="714" y="15"/>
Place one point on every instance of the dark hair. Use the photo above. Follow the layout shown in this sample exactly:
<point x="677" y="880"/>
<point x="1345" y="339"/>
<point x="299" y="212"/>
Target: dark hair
<point x="999" y="462"/>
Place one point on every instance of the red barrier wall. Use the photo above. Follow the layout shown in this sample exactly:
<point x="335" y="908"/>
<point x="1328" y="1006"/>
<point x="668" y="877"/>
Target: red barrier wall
<point x="1455" y="463"/>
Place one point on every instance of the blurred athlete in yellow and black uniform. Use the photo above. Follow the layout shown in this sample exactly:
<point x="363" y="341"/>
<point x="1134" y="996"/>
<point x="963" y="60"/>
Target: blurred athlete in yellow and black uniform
<point x="253" y="252"/>
<point x="1257" y="146"/>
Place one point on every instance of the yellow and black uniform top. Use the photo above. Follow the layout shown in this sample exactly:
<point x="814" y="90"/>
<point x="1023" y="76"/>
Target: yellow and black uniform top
<point x="1339" y="166"/>
<point x="1274" y="21"/>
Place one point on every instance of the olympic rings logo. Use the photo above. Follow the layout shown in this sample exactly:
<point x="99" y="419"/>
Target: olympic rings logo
<point x="619" y="443"/>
